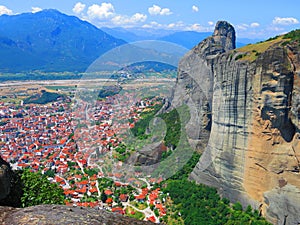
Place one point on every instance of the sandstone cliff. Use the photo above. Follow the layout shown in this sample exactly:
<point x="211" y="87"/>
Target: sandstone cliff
<point x="245" y="108"/>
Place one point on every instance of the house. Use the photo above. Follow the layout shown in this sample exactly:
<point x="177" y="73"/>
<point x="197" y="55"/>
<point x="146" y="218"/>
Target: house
<point x="151" y="219"/>
<point x="108" y="192"/>
<point x="123" y="197"/>
<point x="118" y="210"/>
<point x="140" y="198"/>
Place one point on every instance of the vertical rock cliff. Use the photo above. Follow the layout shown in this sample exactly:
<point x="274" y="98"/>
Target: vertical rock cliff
<point x="245" y="110"/>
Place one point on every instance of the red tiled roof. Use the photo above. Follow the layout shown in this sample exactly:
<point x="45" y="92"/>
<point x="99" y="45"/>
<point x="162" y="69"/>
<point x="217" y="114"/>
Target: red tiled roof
<point x="118" y="210"/>
<point x="140" y="197"/>
<point x="151" y="219"/>
<point x="108" y="192"/>
<point x="109" y="200"/>
<point x="123" y="197"/>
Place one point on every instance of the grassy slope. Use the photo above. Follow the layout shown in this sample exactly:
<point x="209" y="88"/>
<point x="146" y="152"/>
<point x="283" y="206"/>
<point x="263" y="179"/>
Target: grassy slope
<point x="252" y="51"/>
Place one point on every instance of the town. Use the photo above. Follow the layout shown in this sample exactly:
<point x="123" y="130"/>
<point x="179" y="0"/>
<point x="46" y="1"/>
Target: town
<point x="81" y="148"/>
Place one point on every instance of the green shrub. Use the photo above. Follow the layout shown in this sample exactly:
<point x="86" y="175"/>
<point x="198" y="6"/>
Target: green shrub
<point x="38" y="190"/>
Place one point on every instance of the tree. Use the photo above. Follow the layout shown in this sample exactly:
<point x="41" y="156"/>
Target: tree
<point x="37" y="190"/>
<point x="50" y="173"/>
<point x="103" y="197"/>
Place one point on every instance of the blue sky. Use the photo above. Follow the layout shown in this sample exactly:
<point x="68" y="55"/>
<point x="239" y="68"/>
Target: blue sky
<point x="252" y="19"/>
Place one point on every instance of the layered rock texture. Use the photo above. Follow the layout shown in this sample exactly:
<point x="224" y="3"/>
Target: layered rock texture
<point x="245" y="110"/>
<point x="62" y="215"/>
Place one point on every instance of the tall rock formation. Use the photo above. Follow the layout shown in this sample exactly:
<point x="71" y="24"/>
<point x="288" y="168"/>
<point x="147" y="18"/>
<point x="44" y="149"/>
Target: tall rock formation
<point x="245" y="110"/>
<point x="5" y="179"/>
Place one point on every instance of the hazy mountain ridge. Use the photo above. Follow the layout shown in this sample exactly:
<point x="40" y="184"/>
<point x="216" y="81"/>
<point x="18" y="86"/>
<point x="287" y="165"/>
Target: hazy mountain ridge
<point x="187" y="39"/>
<point x="50" y="41"/>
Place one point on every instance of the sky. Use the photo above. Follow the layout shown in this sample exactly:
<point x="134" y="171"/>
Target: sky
<point x="251" y="19"/>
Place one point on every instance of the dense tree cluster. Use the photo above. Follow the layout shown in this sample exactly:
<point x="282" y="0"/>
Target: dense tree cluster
<point x="293" y="35"/>
<point x="199" y="204"/>
<point x="139" y="130"/>
<point x="109" y="91"/>
<point x="43" y="98"/>
<point x="37" y="190"/>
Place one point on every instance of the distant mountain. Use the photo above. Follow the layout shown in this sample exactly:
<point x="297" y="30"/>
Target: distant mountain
<point x="149" y="66"/>
<point x="187" y="39"/>
<point x="150" y="33"/>
<point x="50" y="41"/>
<point x="124" y="34"/>
<point x="137" y="34"/>
<point x="240" y="42"/>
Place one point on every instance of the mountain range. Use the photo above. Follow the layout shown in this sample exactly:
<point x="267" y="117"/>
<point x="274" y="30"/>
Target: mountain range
<point x="50" y="41"/>
<point x="187" y="39"/>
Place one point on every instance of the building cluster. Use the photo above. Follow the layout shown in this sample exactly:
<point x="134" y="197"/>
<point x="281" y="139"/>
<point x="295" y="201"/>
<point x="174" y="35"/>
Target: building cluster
<point x="66" y="143"/>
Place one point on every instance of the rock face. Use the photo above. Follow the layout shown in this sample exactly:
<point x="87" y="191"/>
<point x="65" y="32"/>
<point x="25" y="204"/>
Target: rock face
<point x="245" y="111"/>
<point x="5" y="179"/>
<point x="62" y="215"/>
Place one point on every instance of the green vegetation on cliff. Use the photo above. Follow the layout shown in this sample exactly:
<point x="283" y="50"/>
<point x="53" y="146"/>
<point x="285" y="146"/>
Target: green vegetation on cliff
<point x="252" y="51"/>
<point x="32" y="188"/>
<point x="199" y="204"/>
<point x="139" y="130"/>
<point x="293" y="35"/>
<point x="172" y="120"/>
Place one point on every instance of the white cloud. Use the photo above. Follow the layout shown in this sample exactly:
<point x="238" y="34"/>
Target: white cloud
<point x="154" y="10"/>
<point x="157" y="10"/>
<point x="254" y="25"/>
<point x="138" y="17"/>
<point x="152" y="24"/>
<point x="179" y="26"/>
<point x="195" y="8"/>
<point x="165" y="12"/>
<point x="276" y="29"/>
<point x="35" y="9"/>
<point x="103" y="11"/>
<point x="126" y="20"/>
<point x="195" y="27"/>
<point x="199" y="28"/>
<point x="242" y="26"/>
<point x="5" y="10"/>
<point x="78" y="7"/>
<point x="105" y="15"/>
<point x="210" y="23"/>
<point x="285" y="21"/>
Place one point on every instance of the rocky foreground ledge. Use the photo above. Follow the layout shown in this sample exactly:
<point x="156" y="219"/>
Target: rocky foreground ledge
<point x="62" y="215"/>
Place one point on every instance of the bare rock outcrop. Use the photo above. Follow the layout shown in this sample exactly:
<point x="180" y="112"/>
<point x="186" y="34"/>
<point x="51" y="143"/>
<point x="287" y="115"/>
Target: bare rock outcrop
<point x="62" y="215"/>
<point x="5" y="179"/>
<point x="245" y="104"/>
